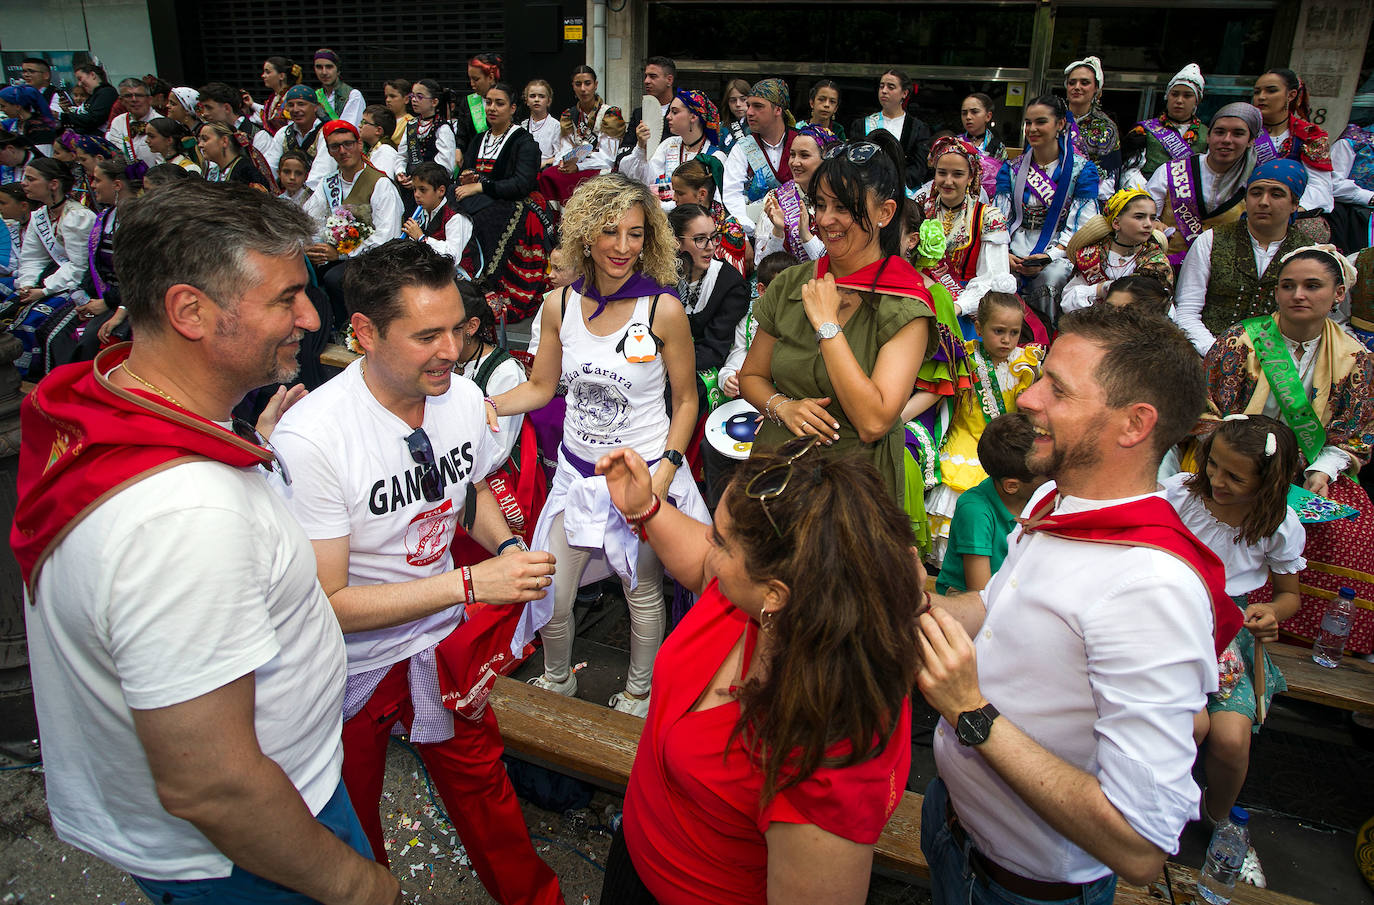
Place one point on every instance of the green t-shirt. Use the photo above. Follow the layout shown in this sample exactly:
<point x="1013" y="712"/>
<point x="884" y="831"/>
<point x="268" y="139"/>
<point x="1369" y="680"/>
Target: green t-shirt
<point x="980" y="527"/>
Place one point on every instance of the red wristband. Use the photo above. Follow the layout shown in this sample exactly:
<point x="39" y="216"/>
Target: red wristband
<point x="468" y="591"/>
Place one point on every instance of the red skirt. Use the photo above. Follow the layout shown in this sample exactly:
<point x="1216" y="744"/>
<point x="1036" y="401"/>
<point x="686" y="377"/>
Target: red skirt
<point x="1339" y="554"/>
<point x="559" y="186"/>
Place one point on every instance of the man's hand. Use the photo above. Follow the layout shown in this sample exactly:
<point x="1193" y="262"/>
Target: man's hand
<point x="92" y="308"/>
<point x="513" y="578"/>
<point x="403" y="179"/>
<point x="948" y="677"/>
<point x="321" y="253"/>
<point x="107" y="328"/>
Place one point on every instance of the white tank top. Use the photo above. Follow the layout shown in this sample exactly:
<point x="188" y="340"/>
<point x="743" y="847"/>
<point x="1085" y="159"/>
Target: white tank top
<point x="615" y="386"/>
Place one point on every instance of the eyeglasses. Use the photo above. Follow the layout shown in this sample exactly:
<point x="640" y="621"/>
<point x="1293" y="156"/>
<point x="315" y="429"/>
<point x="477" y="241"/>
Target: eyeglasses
<point x="704" y="242"/>
<point x="131" y="96"/>
<point x="419" y="97"/>
<point x="772" y="481"/>
<point x="422" y="453"/>
<point x="366" y="123"/>
<point x="336" y="147"/>
<point x="859" y="152"/>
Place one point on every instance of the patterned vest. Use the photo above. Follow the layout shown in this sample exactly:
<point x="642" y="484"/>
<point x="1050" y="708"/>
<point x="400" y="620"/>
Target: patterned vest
<point x="1362" y="168"/>
<point x="1235" y="291"/>
<point x="305" y="145"/>
<point x="1362" y="293"/>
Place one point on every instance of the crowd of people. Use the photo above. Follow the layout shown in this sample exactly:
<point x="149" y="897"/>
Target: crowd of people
<point x="1103" y="393"/>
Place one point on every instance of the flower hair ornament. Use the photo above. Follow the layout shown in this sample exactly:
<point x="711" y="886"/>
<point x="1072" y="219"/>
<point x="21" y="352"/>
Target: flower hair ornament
<point x="931" y="247"/>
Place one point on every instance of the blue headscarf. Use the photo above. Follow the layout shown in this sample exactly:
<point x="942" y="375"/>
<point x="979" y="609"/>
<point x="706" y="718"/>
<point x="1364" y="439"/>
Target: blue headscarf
<point x="1287" y="172"/>
<point x="299" y="93"/>
<point x="30" y="99"/>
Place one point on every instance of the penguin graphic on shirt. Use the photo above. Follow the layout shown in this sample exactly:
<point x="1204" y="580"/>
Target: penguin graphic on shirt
<point x="638" y="345"/>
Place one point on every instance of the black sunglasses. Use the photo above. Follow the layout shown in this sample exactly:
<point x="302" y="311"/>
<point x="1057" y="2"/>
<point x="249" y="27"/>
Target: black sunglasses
<point x="422" y="453"/>
<point x="772" y="481"/>
<point x="859" y="152"/>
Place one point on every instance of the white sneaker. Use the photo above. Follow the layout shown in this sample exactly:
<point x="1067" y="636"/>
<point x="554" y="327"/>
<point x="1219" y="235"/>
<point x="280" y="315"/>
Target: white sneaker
<point x="1250" y="870"/>
<point x="633" y="706"/>
<point x="567" y="688"/>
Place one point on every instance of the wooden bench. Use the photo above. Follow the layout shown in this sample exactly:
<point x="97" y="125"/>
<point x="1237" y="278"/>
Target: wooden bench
<point x="337" y="356"/>
<point x="597" y="744"/>
<point x="1349" y="686"/>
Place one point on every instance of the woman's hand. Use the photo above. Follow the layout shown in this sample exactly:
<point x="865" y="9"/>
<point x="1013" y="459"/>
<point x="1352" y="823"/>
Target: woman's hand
<point x="467" y="191"/>
<point x="773" y="211"/>
<point x="1262" y="622"/>
<point x="642" y="133"/>
<point x="108" y="328"/>
<point x="568" y="166"/>
<point x="663" y="474"/>
<point x="412" y="229"/>
<point x="92" y="308"/>
<point x="808" y="416"/>
<point x="281" y="400"/>
<point x="403" y="179"/>
<point x="805" y="223"/>
<point x="31" y="294"/>
<point x="628" y="480"/>
<point x="821" y="300"/>
<point x="1319" y="482"/>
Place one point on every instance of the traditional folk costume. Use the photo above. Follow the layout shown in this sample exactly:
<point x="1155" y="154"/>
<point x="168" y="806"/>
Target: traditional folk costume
<point x="656" y="172"/>
<point x="59" y="249"/>
<point x="342" y="101"/>
<point x="1352" y="162"/>
<point x="1167" y="140"/>
<point x="1095" y="134"/>
<point x="1361" y="296"/>
<point x="912" y="134"/>
<point x="1095" y="262"/>
<point x="1046" y="207"/>
<point x="753" y="167"/>
<point x="591" y="140"/>
<point x="1322" y="390"/>
<point x="791" y="199"/>
<point x="512" y="232"/>
<point x="995" y="387"/>
<point x="1309" y="145"/>
<point x="1219" y="283"/>
<point x="11" y="241"/>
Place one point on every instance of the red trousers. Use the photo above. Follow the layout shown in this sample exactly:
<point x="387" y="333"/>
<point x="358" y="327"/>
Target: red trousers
<point x="472" y="782"/>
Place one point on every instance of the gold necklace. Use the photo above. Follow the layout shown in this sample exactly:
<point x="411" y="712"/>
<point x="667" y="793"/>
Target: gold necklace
<point x="125" y="366"/>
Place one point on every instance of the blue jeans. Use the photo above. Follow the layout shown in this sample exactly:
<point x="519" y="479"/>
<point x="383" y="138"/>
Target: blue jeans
<point x="953" y="880"/>
<point x="244" y="888"/>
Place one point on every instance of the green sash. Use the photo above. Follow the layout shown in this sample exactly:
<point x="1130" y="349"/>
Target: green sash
<point x="321" y="99"/>
<point x="986" y="386"/>
<point x="479" y="112"/>
<point x="1286" y="385"/>
<point x="341" y="91"/>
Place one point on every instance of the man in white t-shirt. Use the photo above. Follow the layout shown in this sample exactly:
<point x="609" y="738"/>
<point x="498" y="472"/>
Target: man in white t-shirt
<point x="1067" y="687"/>
<point x="188" y="670"/>
<point x="386" y="459"/>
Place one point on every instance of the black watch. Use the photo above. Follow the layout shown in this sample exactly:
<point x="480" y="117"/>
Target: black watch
<point x="673" y="456"/>
<point x="975" y="726"/>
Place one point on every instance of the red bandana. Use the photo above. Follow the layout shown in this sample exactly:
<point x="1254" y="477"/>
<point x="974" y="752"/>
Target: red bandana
<point x="1147" y="522"/>
<point x="84" y="439"/>
<point x="894" y="276"/>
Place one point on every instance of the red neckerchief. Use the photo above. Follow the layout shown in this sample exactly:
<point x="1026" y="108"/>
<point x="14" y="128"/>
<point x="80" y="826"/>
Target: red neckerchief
<point x="84" y="439"/>
<point x="1147" y="522"/>
<point x="893" y="275"/>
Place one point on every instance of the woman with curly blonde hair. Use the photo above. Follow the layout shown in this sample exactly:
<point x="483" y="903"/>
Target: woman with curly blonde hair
<point x="618" y="336"/>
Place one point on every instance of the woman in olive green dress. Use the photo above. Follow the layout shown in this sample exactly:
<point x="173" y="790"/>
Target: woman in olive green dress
<point x="840" y="340"/>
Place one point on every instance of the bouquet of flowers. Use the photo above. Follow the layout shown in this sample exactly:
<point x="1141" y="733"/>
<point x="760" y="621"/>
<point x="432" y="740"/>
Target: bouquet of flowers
<point x="345" y="231"/>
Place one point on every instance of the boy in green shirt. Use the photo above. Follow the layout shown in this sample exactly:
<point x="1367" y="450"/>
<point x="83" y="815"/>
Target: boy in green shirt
<point x="986" y="513"/>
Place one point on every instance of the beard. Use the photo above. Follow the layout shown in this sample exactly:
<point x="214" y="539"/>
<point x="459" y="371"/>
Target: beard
<point x="267" y="368"/>
<point x="1083" y="454"/>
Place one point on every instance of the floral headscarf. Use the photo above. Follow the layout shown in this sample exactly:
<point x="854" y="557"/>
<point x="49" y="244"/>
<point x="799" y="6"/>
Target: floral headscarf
<point x="951" y="144"/>
<point x="700" y="106"/>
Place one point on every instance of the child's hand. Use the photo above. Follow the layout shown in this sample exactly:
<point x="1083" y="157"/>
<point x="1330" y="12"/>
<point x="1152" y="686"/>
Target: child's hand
<point x="1261" y="621"/>
<point x="730" y="385"/>
<point x="413" y="230"/>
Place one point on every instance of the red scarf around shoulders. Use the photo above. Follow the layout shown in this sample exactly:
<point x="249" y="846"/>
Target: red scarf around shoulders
<point x="893" y="275"/>
<point x="1147" y="522"/>
<point x="84" y="439"/>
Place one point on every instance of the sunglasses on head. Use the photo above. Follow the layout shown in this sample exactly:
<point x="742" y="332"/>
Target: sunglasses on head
<point x="770" y="483"/>
<point x="859" y="152"/>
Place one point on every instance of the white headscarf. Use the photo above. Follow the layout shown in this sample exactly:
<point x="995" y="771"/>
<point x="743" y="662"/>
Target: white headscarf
<point x="1092" y="63"/>
<point x="187" y="97"/>
<point x="1191" y="77"/>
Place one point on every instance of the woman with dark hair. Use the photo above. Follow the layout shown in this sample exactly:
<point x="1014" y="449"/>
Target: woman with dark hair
<point x="113" y="183"/>
<point x="430" y="137"/>
<point x="15" y="210"/>
<point x="792" y="230"/>
<point x="90" y="118"/>
<point x="1047" y="194"/>
<point x="590" y="134"/>
<point x="695" y="127"/>
<point x="31" y="117"/>
<point x="1283" y="103"/>
<point x="52" y="265"/>
<point x="278" y="74"/>
<point x="895" y="94"/>
<point x="221" y="146"/>
<point x="825" y="107"/>
<point x="976" y="114"/>
<point x="512" y="235"/>
<point x="862" y="307"/>
<point x="778" y="728"/>
<point x="395" y="95"/>
<point x="1094" y="133"/>
<point x="170" y="139"/>
<point x="697" y="182"/>
<point x="714" y="294"/>
<point x="1299" y="366"/>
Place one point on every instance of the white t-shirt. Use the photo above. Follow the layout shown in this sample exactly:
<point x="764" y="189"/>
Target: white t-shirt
<point x="171" y="589"/>
<point x="352" y="476"/>
<point x="508" y="375"/>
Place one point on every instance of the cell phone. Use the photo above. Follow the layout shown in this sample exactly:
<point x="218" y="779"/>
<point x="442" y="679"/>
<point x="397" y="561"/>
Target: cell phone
<point x="1035" y="261"/>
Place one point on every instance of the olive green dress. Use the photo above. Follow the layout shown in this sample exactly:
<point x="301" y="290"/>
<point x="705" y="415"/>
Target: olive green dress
<point x="799" y="370"/>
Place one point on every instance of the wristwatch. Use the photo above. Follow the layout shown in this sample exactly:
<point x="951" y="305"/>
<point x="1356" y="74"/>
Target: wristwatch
<point x="975" y="725"/>
<point x="827" y="330"/>
<point x="674" y="457"/>
<point x="517" y="542"/>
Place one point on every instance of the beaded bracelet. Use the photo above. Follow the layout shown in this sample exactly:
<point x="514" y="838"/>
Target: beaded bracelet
<point x="491" y="402"/>
<point x="469" y="592"/>
<point x="638" y="521"/>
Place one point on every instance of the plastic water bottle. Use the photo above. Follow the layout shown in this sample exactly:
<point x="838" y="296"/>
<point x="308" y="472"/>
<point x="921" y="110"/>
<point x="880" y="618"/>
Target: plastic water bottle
<point x="1225" y="855"/>
<point x="1330" y="643"/>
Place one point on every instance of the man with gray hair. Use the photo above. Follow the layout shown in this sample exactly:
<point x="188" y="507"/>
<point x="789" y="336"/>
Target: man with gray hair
<point x="126" y="129"/>
<point x="188" y="670"/>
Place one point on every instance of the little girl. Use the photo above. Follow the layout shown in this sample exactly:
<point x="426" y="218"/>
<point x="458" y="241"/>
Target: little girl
<point x="1000" y="372"/>
<point x="1237" y="505"/>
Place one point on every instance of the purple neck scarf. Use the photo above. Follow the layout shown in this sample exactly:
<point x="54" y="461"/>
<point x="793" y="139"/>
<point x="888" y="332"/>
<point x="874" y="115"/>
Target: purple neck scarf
<point x="639" y="284"/>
